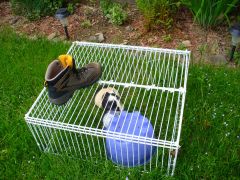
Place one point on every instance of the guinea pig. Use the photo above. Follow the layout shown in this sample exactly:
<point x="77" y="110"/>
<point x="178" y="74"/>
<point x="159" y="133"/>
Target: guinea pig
<point x="108" y="99"/>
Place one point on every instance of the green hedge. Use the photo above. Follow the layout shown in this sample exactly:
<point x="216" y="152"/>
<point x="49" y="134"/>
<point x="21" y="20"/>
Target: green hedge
<point x="158" y="12"/>
<point x="34" y="9"/>
<point x="210" y="13"/>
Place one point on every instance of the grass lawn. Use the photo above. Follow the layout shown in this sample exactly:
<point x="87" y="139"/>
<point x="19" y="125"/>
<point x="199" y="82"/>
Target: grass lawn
<point x="210" y="137"/>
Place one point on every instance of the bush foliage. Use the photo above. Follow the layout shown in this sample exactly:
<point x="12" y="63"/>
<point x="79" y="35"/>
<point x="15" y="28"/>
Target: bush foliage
<point x="113" y="11"/>
<point x="210" y="13"/>
<point x="34" y="9"/>
<point x="158" y="12"/>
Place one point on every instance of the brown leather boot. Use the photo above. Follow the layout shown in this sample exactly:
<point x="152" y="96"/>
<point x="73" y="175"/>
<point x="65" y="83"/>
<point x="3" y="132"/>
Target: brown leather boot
<point x="62" y="78"/>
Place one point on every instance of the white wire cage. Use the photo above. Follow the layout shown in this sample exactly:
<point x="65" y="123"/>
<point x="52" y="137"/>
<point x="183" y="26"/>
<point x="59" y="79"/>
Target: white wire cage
<point x="151" y="81"/>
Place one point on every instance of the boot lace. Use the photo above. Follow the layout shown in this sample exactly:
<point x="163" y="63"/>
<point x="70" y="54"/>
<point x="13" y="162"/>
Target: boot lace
<point x="81" y="72"/>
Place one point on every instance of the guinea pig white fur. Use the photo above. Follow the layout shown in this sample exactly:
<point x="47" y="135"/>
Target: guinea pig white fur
<point x="109" y="99"/>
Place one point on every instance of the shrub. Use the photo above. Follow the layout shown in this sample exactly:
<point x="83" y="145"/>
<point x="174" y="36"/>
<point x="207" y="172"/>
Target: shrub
<point x="70" y="8"/>
<point x="209" y="13"/>
<point x="105" y="5"/>
<point x="86" y="24"/>
<point x="117" y="15"/>
<point x="167" y="38"/>
<point x="34" y="9"/>
<point x="158" y="12"/>
<point x="113" y="11"/>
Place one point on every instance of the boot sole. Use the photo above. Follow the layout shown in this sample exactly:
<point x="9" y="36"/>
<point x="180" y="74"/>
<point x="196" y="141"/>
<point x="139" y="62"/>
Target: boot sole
<point x="63" y="99"/>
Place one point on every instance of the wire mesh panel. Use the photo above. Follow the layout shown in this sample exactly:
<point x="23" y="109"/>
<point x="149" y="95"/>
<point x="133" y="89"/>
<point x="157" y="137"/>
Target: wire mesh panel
<point x="151" y="81"/>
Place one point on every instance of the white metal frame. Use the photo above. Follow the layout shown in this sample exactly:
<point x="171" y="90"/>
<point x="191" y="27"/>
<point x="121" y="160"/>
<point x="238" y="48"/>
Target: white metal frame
<point x="150" y="80"/>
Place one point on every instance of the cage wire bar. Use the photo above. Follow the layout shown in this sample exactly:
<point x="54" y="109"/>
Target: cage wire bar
<point x="150" y="80"/>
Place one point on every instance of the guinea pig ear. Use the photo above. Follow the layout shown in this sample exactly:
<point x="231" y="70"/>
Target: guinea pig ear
<point x="100" y="88"/>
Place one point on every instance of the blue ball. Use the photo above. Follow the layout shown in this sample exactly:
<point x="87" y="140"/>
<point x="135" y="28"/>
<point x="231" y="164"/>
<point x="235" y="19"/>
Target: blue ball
<point x="128" y="153"/>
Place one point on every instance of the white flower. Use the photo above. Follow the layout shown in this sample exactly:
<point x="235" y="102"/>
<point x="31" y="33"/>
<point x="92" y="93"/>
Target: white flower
<point x="227" y="134"/>
<point x="226" y="124"/>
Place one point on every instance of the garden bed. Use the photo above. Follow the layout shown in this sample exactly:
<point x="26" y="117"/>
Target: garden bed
<point x="88" y="20"/>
